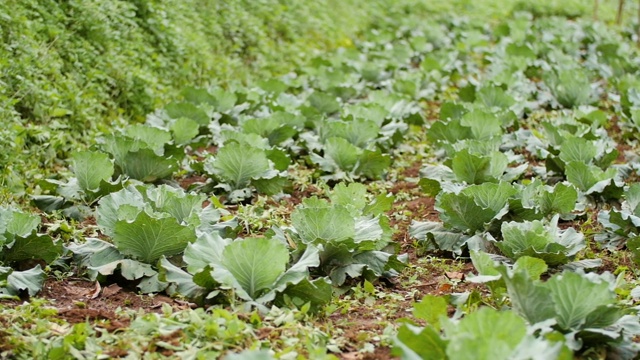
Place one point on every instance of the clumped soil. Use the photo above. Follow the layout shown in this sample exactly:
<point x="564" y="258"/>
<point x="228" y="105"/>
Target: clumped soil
<point x="79" y="300"/>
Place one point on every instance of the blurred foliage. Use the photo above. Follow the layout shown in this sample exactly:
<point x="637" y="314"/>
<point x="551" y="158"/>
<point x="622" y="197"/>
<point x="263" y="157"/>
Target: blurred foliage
<point x="72" y="69"/>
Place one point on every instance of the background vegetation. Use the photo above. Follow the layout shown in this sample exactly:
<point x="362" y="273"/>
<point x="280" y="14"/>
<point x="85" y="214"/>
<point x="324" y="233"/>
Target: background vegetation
<point x="430" y="108"/>
<point x="70" y="68"/>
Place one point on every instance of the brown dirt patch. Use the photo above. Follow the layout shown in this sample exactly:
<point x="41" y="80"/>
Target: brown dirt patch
<point x="427" y="276"/>
<point x="298" y="194"/>
<point x="418" y="207"/>
<point x="401" y="187"/>
<point x="432" y="109"/>
<point x="79" y="300"/>
<point x="412" y="171"/>
<point x="379" y="353"/>
<point x="190" y="181"/>
<point x="622" y="149"/>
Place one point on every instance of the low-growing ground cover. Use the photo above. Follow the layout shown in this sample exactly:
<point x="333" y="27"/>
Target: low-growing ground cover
<point x="446" y="188"/>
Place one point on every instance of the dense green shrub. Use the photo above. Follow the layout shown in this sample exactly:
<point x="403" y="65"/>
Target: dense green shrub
<point x="70" y="68"/>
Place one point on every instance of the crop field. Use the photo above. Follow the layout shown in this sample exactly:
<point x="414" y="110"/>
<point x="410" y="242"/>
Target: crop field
<point x="444" y="181"/>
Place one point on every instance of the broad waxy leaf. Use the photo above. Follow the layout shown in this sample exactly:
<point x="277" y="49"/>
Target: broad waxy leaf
<point x="206" y="250"/>
<point x="129" y="269"/>
<point x="184" y="130"/>
<point x="632" y="198"/>
<point x="145" y="165"/>
<point x="262" y="126"/>
<point x="30" y="280"/>
<point x="437" y="237"/>
<point x="121" y="205"/>
<point x="570" y="87"/>
<point x="491" y="196"/>
<point x="572" y="306"/>
<point x="329" y="223"/>
<point x="142" y="161"/>
<point x="578" y="149"/>
<point x="585" y="177"/>
<point x="324" y="102"/>
<point x="352" y="196"/>
<point x="93" y="254"/>
<point x="34" y="246"/>
<point x="188" y="111"/>
<point x="224" y="100"/>
<point x="148" y="238"/>
<point x="474" y="169"/>
<point x="16" y="223"/>
<point x="256" y="263"/>
<point x="280" y="159"/>
<point x="154" y="138"/>
<point x="238" y="164"/>
<point x="483" y="125"/>
<point x="475" y="206"/>
<point x="431" y="309"/>
<point x="316" y="293"/>
<point x="472" y="338"/>
<point x="542" y="241"/>
<point x="578" y="303"/>
<point x="372" y="164"/>
<point x="380" y="205"/>
<point x="413" y="343"/>
<point x="358" y="132"/>
<point x="250" y="355"/>
<point x="270" y="186"/>
<point x="184" y="207"/>
<point x="494" y="96"/>
<point x="561" y="199"/>
<point x="296" y="281"/>
<point x="245" y="139"/>
<point x="91" y="168"/>
<point x="184" y="284"/>
<point x="529" y="298"/>
<point x="448" y="132"/>
<point x="19" y="240"/>
<point x="342" y="152"/>
<point x="461" y="212"/>
<point x="197" y="96"/>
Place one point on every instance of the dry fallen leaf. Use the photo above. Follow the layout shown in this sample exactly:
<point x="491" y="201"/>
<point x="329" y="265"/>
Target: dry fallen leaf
<point x="111" y="290"/>
<point x="454" y="275"/>
<point x="96" y="293"/>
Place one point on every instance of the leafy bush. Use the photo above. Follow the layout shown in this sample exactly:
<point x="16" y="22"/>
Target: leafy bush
<point x="571" y="88"/>
<point x="561" y="305"/>
<point x="145" y="223"/>
<point x="622" y="226"/>
<point x="21" y="246"/>
<point x="78" y="67"/>
<point x="540" y="240"/>
<point x="470" y="338"/>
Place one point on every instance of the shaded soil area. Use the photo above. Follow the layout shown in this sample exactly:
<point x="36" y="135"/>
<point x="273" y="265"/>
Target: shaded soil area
<point x="79" y="300"/>
<point x="416" y="207"/>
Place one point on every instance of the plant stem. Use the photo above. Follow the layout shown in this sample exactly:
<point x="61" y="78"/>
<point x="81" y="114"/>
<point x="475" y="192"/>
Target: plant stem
<point x="620" y="10"/>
